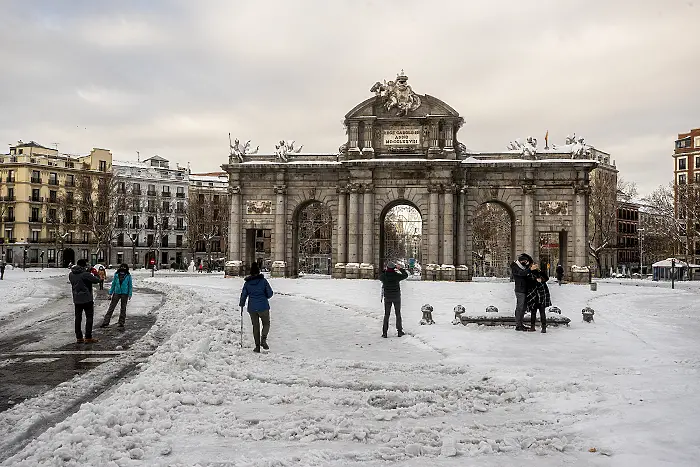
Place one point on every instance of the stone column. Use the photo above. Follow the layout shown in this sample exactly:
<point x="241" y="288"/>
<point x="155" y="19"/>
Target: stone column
<point x="580" y="214"/>
<point x="448" y="227"/>
<point x="353" y="224"/>
<point x="448" y="136"/>
<point x="433" y="219"/>
<point x="234" y="235"/>
<point x="342" y="225"/>
<point x="367" y="268"/>
<point x="528" y="218"/>
<point x="367" y="149"/>
<point x="353" y="148"/>
<point x="461" y="227"/>
<point x="279" y="266"/>
<point x="434" y="139"/>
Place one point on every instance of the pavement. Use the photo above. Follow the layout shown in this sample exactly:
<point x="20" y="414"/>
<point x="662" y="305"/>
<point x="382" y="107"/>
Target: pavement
<point x="38" y="349"/>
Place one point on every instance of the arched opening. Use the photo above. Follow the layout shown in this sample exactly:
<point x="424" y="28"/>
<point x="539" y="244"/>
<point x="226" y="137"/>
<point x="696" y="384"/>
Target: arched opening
<point x="494" y="240"/>
<point x="313" y="239"/>
<point x="400" y="236"/>
<point x="68" y="256"/>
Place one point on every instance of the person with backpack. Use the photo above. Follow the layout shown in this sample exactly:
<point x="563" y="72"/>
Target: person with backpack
<point x="120" y="291"/>
<point x="257" y="291"/>
<point x="538" y="298"/>
<point x="81" y="281"/>
<point x="391" y="292"/>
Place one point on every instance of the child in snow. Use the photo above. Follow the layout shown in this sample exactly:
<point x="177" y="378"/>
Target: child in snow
<point x="121" y="290"/>
<point x="538" y="298"/>
<point x="257" y="291"/>
<point x="392" y="294"/>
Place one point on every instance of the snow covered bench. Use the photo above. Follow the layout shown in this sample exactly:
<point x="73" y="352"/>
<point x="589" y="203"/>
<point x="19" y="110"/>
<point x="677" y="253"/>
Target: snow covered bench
<point x="502" y="318"/>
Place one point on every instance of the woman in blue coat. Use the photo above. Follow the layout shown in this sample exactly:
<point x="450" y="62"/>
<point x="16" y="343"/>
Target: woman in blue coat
<point x="257" y="291"/>
<point x="120" y="291"/>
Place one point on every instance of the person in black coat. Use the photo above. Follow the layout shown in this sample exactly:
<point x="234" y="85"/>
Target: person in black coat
<point x="391" y="290"/>
<point x="560" y="273"/>
<point x="538" y="299"/>
<point x="81" y="281"/>
<point x="523" y="283"/>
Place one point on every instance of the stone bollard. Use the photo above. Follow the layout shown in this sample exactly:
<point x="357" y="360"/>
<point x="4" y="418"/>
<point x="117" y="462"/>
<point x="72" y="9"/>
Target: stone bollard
<point x="339" y="271"/>
<point x="588" y="313"/>
<point x="427" y="314"/>
<point x="352" y="271"/>
<point x="279" y="269"/>
<point x="366" y="271"/>
<point x="462" y="274"/>
<point x="459" y="311"/>
<point x="447" y="272"/>
<point x="491" y="309"/>
<point x="555" y="309"/>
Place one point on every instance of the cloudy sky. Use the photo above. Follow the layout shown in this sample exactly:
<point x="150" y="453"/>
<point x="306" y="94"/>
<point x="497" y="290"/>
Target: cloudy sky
<point x="175" y="77"/>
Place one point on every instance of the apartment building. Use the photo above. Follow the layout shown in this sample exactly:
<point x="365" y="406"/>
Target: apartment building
<point x="208" y="211"/>
<point x="686" y="178"/>
<point x="151" y="218"/>
<point x="628" y="238"/>
<point x="42" y="219"/>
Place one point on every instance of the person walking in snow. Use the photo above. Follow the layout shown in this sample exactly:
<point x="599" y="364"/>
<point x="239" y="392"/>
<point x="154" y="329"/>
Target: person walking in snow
<point x="120" y="291"/>
<point x="102" y="274"/>
<point x="257" y="291"/>
<point x="2" y="269"/>
<point x="81" y="281"/>
<point x="523" y="279"/>
<point x="538" y="298"/>
<point x="391" y="277"/>
<point x="560" y="273"/>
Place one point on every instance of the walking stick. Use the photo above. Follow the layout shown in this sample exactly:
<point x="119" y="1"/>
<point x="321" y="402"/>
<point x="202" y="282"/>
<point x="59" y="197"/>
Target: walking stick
<point x="241" y="327"/>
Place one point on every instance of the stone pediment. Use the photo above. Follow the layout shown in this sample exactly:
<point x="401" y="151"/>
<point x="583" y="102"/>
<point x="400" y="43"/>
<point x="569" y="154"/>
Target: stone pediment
<point x="375" y="107"/>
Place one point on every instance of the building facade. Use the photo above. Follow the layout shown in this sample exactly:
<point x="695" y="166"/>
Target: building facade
<point x="44" y="219"/>
<point x="207" y="210"/>
<point x="686" y="156"/>
<point x="151" y="213"/>
<point x="403" y="149"/>
<point x="628" y="238"/>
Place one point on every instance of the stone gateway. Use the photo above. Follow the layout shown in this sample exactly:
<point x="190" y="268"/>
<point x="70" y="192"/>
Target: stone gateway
<point x="295" y="212"/>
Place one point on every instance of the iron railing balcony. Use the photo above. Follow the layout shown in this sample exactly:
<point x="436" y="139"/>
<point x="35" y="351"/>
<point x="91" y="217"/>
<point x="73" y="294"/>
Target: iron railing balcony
<point x="36" y="199"/>
<point x="35" y="180"/>
<point x="166" y="194"/>
<point x="8" y="198"/>
<point x="69" y="184"/>
<point x="10" y="179"/>
<point x="151" y="192"/>
<point x="35" y="220"/>
<point x="53" y="182"/>
<point x="179" y="195"/>
<point x="180" y="228"/>
<point x="8" y="219"/>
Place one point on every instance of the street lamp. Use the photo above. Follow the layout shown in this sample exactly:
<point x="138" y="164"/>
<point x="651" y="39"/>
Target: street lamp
<point x="641" y="251"/>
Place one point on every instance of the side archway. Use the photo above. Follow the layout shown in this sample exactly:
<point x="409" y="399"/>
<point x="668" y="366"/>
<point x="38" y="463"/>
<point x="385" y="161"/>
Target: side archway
<point x="312" y="239"/>
<point x="493" y="243"/>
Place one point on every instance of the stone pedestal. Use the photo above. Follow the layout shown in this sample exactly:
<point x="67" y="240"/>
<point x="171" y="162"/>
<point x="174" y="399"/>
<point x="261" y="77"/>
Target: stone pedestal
<point x="338" y="271"/>
<point x="431" y="272"/>
<point x="279" y="269"/>
<point x="462" y="273"/>
<point x="447" y="273"/>
<point x="580" y="275"/>
<point x="352" y="271"/>
<point x="366" y="271"/>
<point x="368" y="153"/>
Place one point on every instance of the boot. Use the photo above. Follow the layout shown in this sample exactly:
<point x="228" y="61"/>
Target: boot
<point x="264" y="345"/>
<point x="384" y="336"/>
<point x="532" y="328"/>
<point x="544" y="329"/>
<point x="401" y="333"/>
<point x="90" y="340"/>
<point x="256" y="349"/>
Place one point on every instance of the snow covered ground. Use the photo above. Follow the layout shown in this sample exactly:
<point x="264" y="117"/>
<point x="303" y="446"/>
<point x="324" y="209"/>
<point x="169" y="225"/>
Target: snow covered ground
<point x="332" y="392"/>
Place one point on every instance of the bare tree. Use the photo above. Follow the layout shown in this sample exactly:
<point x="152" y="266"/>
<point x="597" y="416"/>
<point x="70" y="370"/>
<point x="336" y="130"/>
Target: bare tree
<point x="492" y="237"/>
<point x="663" y="229"/>
<point x="56" y="224"/>
<point x="95" y="193"/>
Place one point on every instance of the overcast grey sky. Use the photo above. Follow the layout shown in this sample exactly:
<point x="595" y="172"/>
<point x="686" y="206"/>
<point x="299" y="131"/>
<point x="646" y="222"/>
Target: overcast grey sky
<point x="175" y="77"/>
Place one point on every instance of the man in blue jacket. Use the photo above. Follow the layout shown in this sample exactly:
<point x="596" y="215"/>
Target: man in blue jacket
<point x="81" y="281"/>
<point x="120" y="291"/>
<point x="257" y="291"/>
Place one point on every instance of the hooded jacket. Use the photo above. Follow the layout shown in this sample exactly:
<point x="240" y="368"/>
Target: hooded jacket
<point x="81" y="282"/>
<point x="390" y="281"/>
<point x="522" y="277"/>
<point x="257" y="291"/>
<point x="121" y="283"/>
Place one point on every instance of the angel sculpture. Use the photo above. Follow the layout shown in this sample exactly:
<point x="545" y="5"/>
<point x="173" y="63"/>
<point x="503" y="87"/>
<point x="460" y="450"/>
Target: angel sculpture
<point x="238" y="151"/>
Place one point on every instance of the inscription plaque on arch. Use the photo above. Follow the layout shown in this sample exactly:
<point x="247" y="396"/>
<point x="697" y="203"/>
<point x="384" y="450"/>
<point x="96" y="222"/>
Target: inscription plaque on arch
<point x="401" y="136"/>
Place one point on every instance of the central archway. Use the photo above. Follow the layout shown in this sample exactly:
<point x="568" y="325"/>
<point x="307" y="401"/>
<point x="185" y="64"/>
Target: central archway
<point x="313" y="239"/>
<point x="401" y="235"/>
<point x="494" y="240"/>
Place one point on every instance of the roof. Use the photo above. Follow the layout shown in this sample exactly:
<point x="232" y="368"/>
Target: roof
<point x="156" y="158"/>
<point x="31" y="144"/>
<point x="210" y="174"/>
<point x="666" y="263"/>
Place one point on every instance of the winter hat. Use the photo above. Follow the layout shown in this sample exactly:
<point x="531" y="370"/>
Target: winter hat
<point x="254" y="269"/>
<point x="390" y="265"/>
<point x="526" y="257"/>
<point x="124" y="267"/>
<point x="82" y="263"/>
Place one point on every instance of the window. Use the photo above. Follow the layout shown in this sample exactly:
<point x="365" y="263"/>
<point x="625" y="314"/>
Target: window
<point x="36" y="177"/>
<point x="84" y="254"/>
<point x="136" y="257"/>
<point x="70" y="237"/>
<point x="216" y="199"/>
<point x="35" y="236"/>
<point x="52" y="215"/>
<point x="120" y="239"/>
<point x="697" y="177"/>
<point x="10" y="194"/>
<point x="180" y="222"/>
<point x="136" y="206"/>
<point x="70" y="197"/>
<point x="103" y="166"/>
<point x="165" y="223"/>
<point x="178" y="240"/>
<point x="164" y="241"/>
<point x="166" y="190"/>
<point x="122" y="188"/>
<point x="150" y="223"/>
<point x="697" y="162"/>
<point x="53" y="178"/>
<point x="201" y="198"/>
<point x="101" y="218"/>
<point x="69" y="216"/>
<point x="180" y="192"/>
<point x="180" y="207"/>
<point x="70" y="180"/>
<point x="35" y="195"/>
<point x="9" y="235"/>
<point x="35" y="215"/>
<point x="53" y="196"/>
<point x="136" y="188"/>
<point x="151" y="190"/>
<point x="134" y="240"/>
<point x="51" y="255"/>
<point x="682" y="164"/>
<point x="86" y="237"/>
<point x="135" y="222"/>
<point x="696" y="143"/>
<point x="120" y="221"/>
<point x="681" y="179"/>
<point x="166" y="206"/>
<point x="149" y="240"/>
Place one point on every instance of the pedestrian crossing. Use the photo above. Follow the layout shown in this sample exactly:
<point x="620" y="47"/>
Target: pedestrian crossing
<point x="52" y="357"/>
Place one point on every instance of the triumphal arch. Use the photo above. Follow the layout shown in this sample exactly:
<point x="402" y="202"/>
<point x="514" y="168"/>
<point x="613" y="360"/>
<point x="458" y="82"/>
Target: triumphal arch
<point x="326" y="212"/>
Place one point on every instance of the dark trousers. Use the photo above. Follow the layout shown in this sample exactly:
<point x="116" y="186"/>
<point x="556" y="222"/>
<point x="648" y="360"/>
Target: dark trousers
<point x="387" y="313"/>
<point x="543" y="316"/>
<point x="102" y="285"/>
<point x="89" y="309"/>
<point x="519" y="309"/>
<point x="116" y="298"/>
<point x="255" y="318"/>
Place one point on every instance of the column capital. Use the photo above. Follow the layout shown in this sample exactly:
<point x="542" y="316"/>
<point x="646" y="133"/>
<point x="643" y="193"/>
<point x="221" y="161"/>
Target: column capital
<point x="582" y="190"/>
<point x="451" y="188"/>
<point x="529" y="189"/>
<point x="354" y="188"/>
<point x="341" y="189"/>
<point x="280" y="189"/>
<point x="436" y="188"/>
<point x="367" y="188"/>
<point x="234" y="190"/>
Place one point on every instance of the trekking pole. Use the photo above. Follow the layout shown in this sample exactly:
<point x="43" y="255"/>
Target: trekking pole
<point x="241" y="327"/>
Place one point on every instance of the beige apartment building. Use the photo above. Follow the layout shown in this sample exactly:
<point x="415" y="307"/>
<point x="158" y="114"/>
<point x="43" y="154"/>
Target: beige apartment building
<point x="40" y="220"/>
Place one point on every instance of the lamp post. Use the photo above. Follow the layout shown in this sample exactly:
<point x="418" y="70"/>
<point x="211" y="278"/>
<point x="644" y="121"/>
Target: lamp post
<point x="641" y="251"/>
<point x="673" y="273"/>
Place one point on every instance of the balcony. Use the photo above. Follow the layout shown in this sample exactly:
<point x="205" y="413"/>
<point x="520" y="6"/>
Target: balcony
<point x="8" y="198"/>
<point x="35" y="220"/>
<point x="151" y="192"/>
<point x="179" y="211"/>
<point x="166" y="194"/>
<point x="10" y="179"/>
<point x="69" y="184"/>
<point x="151" y="209"/>
<point x="53" y="182"/>
<point x="136" y="192"/>
<point x="36" y="199"/>
<point x="179" y="195"/>
<point x="35" y="180"/>
<point x="53" y="200"/>
<point x="8" y="219"/>
<point x="180" y="227"/>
